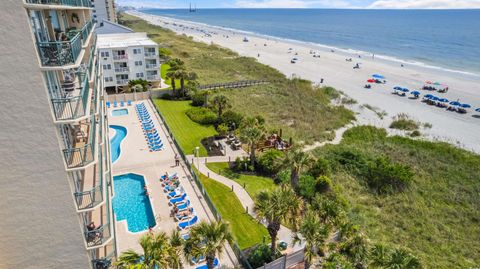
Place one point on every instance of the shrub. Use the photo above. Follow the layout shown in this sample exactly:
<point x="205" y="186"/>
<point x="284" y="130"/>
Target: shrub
<point x="166" y="96"/>
<point x="321" y="167"/>
<point x="306" y="186"/>
<point x="230" y="117"/>
<point x="403" y="122"/>
<point x="269" y="163"/>
<point x="222" y="129"/>
<point x="260" y="255"/>
<point x="198" y="99"/>
<point x="386" y="177"/>
<point x="415" y="133"/>
<point x="282" y="177"/>
<point x="323" y="184"/>
<point x="241" y="164"/>
<point x="202" y="115"/>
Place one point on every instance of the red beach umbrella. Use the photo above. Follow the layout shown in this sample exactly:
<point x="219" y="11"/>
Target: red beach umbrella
<point x="371" y="80"/>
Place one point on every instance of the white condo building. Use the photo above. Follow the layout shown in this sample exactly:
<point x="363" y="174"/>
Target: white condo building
<point x="56" y="182"/>
<point x="128" y="56"/>
<point x="104" y="10"/>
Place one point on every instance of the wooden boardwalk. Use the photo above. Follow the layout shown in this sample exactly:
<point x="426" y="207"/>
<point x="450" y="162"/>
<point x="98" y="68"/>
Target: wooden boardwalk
<point x="233" y="85"/>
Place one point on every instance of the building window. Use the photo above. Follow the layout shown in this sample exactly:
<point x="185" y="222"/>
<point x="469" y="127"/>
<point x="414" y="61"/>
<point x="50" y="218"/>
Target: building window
<point x="137" y="51"/>
<point x="107" y="66"/>
<point x="104" y="54"/>
<point x="138" y="63"/>
<point x="139" y="75"/>
<point x="108" y="79"/>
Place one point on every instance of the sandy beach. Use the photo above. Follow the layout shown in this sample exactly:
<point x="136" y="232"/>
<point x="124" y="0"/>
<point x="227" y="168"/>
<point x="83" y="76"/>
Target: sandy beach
<point x="460" y="129"/>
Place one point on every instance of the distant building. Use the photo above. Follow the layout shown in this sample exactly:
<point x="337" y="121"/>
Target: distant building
<point x="108" y="27"/>
<point x="104" y="10"/>
<point x="127" y="56"/>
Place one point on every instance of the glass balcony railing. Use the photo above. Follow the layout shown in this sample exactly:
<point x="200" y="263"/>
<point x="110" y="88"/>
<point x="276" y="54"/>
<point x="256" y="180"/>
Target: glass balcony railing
<point x="82" y="151"/>
<point x="85" y="31"/>
<point x="74" y="3"/>
<point x="151" y="66"/>
<point x="122" y="69"/>
<point x="98" y="235"/>
<point x="152" y="77"/>
<point x="106" y="261"/>
<point x="122" y="81"/>
<point x="60" y="53"/>
<point x="120" y="57"/>
<point x="149" y="53"/>
<point x="73" y="106"/>
<point x="97" y="230"/>
<point x="89" y="191"/>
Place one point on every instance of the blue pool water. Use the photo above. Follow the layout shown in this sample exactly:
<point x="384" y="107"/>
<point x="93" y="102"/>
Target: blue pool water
<point x="131" y="204"/>
<point x="116" y="141"/>
<point x="119" y="112"/>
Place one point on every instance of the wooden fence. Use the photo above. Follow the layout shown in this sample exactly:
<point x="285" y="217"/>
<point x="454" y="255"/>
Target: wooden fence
<point x="233" y="85"/>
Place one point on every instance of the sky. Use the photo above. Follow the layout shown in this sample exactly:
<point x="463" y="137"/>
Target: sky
<point x="379" y="4"/>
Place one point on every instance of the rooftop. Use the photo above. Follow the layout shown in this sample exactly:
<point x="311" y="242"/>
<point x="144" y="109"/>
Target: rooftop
<point x="105" y="41"/>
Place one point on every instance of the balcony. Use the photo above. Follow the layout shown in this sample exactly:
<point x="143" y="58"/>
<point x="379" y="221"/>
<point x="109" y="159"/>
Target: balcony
<point x="89" y="186"/>
<point x="103" y="258"/>
<point x="97" y="228"/>
<point x="73" y="105"/>
<point x="82" y="149"/>
<point x="151" y="66"/>
<point x="73" y="3"/>
<point x="149" y="53"/>
<point x="85" y="31"/>
<point x="122" y="81"/>
<point x="122" y="69"/>
<point x="123" y="57"/>
<point x="153" y="77"/>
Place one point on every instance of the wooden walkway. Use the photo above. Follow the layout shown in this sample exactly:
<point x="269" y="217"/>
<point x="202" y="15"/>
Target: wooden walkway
<point x="233" y="85"/>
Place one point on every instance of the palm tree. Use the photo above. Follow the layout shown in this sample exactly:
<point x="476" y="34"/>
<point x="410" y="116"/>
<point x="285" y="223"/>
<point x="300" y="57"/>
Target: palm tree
<point x="172" y="74"/>
<point x="314" y="234"/>
<point x="327" y="209"/>
<point x="158" y="251"/>
<point x="208" y="240"/>
<point x="296" y="159"/>
<point x="251" y="131"/>
<point x="220" y="103"/>
<point x="279" y="205"/>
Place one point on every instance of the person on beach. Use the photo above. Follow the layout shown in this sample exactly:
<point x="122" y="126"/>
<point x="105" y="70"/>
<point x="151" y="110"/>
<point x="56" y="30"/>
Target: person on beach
<point x="177" y="160"/>
<point x="258" y="55"/>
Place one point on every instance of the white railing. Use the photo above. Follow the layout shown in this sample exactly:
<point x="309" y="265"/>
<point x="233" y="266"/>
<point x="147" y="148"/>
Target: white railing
<point x="151" y="66"/>
<point x="121" y="69"/>
<point x="122" y="81"/>
<point x="154" y="77"/>
<point x="149" y="53"/>
<point x="120" y="57"/>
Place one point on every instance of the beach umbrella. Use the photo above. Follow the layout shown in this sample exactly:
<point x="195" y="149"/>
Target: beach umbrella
<point x="397" y="88"/>
<point x="378" y="76"/>
<point x="434" y="98"/>
<point x="455" y="103"/>
<point x="371" y="80"/>
<point x="478" y="109"/>
<point x="437" y="83"/>
<point x="443" y="100"/>
<point x="405" y="90"/>
<point x="428" y="96"/>
<point x="428" y="82"/>
<point x="415" y="93"/>
<point x="465" y="105"/>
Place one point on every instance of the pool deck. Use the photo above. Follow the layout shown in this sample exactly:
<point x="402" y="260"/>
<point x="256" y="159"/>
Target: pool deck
<point x="135" y="157"/>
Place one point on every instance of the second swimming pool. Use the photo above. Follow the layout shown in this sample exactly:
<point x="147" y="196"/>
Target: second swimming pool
<point x="116" y="141"/>
<point x="131" y="204"/>
<point x="119" y="112"/>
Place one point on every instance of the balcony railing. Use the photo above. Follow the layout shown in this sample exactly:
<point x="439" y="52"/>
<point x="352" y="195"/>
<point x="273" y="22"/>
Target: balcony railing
<point x="85" y="31"/>
<point x="82" y="154"/>
<point x="72" y="107"/>
<point x="153" y="77"/>
<point x="122" y="69"/>
<point x="151" y="66"/>
<point x="74" y="3"/>
<point x="105" y="262"/>
<point x="149" y="53"/>
<point x="97" y="236"/>
<point x="60" y="53"/>
<point x="122" y="81"/>
<point x="120" y="57"/>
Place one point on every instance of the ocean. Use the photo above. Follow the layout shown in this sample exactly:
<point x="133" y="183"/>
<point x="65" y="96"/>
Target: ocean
<point x="443" y="39"/>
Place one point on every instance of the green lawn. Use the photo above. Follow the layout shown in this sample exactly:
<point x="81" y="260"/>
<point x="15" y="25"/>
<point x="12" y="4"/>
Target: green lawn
<point x="253" y="184"/>
<point x="246" y="230"/>
<point x="187" y="133"/>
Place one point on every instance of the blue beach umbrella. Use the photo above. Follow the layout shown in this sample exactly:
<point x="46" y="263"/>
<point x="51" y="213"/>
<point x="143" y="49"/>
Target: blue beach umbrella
<point x="428" y="96"/>
<point x="405" y="90"/>
<point x="397" y="88"/>
<point x="455" y="103"/>
<point x="465" y="105"/>
<point x="443" y="100"/>
<point x="478" y="109"/>
<point x="415" y="93"/>
<point x="378" y="76"/>
<point x="434" y="98"/>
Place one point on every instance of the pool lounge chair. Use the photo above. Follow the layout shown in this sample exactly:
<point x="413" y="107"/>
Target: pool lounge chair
<point x="215" y="264"/>
<point x="176" y="193"/>
<point x="170" y="188"/>
<point x="183" y="206"/>
<point x="122" y="103"/>
<point x="115" y="104"/>
<point x="180" y="216"/>
<point x="178" y="200"/>
<point x="174" y="175"/>
<point x="108" y="104"/>
<point x="187" y="224"/>
<point x="129" y="102"/>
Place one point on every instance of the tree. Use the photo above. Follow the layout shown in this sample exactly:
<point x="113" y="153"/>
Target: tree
<point x="314" y="234"/>
<point x="158" y="252"/>
<point x="251" y="131"/>
<point x="295" y="160"/>
<point x="279" y="205"/>
<point x="138" y="82"/>
<point x="208" y="240"/>
<point x="220" y="103"/>
<point x="175" y="67"/>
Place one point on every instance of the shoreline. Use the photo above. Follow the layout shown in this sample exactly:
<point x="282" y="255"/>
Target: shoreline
<point x="456" y="129"/>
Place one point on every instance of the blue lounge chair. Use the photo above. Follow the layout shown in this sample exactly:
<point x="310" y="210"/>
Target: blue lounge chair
<point x="183" y="206"/>
<point x="178" y="200"/>
<point x="187" y="224"/>
<point x="181" y="216"/>
<point x="176" y="193"/>
<point x="185" y="236"/>
<point x="129" y="102"/>
<point x="122" y="103"/>
<point x="115" y="104"/>
<point x="215" y="264"/>
<point x="108" y="104"/>
<point x="170" y="188"/>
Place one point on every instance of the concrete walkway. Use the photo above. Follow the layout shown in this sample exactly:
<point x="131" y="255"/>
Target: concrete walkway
<point x="284" y="234"/>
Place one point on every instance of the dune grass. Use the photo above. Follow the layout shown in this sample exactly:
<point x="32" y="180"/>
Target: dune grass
<point x="437" y="218"/>
<point x="302" y="111"/>
<point x="253" y="183"/>
<point x="187" y="133"/>
<point x="246" y="230"/>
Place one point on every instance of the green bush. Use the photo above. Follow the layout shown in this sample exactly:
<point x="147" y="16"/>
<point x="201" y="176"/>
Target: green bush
<point x="198" y="99"/>
<point x="260" y="255"/>
<point x="321" y="167"/>
<point x="386" y="177"/>
<point x="282" y="177"/>
<point x="202" y="115"/>
<point x="222" y="129"/>
<point x="166" y="96"/>
<point x="269" y="163"/>
<point x="403" y="122"/>
<point x="323" y="184"/>
<point x="230" y="117"/>
<point x="306" y="186"/>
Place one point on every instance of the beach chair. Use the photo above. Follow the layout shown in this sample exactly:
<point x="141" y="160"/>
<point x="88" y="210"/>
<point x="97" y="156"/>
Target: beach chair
<point x="178" y="200"/>
<point x="182" y="216"/>
<point x="215" y="264"/>
<point x="185" y="236"/>
<point x="187" y="224"/>
<point x="122" y="103"/>
<point x="129" y="102"/>
<point x="183" y="206"/>
<point x="197" y="260"/>
<point x="108" y="104"/>
<point x="115" y="104"/>
<point x="176" y="193"/>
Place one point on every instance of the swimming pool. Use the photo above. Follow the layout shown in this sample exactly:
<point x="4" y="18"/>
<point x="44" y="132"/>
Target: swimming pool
<point x="131" y="204"/>
<point x="116" y="141"/>
<point x="119" y="112"/>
